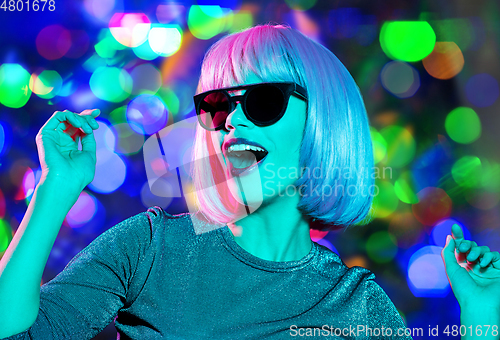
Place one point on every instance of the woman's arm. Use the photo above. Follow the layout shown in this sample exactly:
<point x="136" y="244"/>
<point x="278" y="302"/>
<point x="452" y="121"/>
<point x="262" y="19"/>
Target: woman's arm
<point x="22" y="265"/>
<point x="66" y="170"/>
<point x="474" y="275"/>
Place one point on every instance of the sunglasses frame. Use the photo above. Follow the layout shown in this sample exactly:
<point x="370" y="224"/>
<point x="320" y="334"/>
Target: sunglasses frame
<point x="287" y="88"/>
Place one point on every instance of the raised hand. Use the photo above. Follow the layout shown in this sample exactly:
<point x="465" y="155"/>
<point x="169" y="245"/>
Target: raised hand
<point x="66" y="170"/>
<point x="58" y="148"/>
<point x="473" y="272"/>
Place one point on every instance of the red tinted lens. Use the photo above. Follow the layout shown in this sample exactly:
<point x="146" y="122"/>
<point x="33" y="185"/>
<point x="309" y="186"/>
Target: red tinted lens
<point x="214" y="109"/>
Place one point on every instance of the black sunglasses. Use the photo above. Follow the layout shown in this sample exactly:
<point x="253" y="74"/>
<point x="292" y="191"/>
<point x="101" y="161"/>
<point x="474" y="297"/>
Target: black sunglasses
<point x="263" y="104"/>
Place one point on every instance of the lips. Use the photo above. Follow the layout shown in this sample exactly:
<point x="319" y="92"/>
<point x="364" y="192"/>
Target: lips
<point x="243" y="155"/>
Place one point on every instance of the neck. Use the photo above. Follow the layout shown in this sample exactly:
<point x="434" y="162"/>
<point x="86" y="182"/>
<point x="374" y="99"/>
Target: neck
<point x="276" y="231"/>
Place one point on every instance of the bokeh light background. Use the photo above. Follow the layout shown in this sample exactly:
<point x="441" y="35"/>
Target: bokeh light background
<point x="429" y="73"/>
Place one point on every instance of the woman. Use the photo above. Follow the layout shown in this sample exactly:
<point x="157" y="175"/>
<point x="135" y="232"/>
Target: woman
<point x="275" y="107"/>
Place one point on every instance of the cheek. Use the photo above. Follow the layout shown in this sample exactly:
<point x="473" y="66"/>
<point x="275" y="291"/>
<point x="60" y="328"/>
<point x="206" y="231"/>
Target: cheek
<point x="288" y="158"/>
<point x="292" y="128"/>
<point x="289" y="144"/>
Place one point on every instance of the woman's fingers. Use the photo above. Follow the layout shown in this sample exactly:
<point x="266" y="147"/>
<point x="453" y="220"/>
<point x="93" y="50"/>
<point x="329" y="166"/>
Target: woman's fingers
<point x="89" y="144"/>
<point x="70" y="122"/>
<point x="88" y="140"/>
<point x="454" y="271"/>
<point x="59" y="117"/>
<point x="466" y="245"/>
<point x="457" y="234"/>
<point x="92" y="123"/>
<point x="448" y="255"/>
<point x="90" y="116"/>
<point x="492" y="257"/>
<point x="93" y="113"/>
<point x="83" y="123"/>
<point x="470" y="251"/>
<point x="86" y="121"/>
<point x="477" y="252"/>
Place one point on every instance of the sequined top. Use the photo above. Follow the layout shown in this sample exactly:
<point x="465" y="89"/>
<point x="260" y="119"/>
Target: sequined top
<point x="161" y="280"/>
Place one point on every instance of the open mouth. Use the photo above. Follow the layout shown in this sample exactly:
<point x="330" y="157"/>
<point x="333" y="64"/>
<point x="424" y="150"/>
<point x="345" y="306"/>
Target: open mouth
<point x="244" y="157"/>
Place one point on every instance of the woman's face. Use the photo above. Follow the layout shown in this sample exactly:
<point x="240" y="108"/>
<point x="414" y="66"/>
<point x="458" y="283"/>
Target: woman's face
<point x="273" y="177"/>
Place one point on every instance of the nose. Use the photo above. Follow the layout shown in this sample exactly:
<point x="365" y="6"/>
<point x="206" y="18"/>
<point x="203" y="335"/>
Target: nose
<point x="237" y="118"/>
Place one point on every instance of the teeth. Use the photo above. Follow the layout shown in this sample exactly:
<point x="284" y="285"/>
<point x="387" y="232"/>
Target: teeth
<point x="242" y="147"/>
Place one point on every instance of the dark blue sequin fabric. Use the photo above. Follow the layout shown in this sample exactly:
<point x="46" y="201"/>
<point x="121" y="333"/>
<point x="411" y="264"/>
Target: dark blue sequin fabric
<point x="161" y="280"/>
